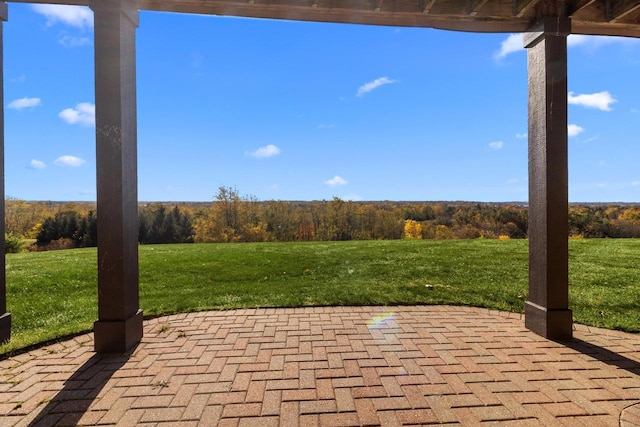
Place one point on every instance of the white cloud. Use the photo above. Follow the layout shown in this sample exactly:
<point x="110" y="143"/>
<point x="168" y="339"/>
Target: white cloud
<point x="83" y="114"/>
<point x="635" y="110"/>
<point x="636" y="183"/>
<point x="368" y="87"/>
<point x="512" y="181"/>
<point x="510" y="45"/>
<point x="20" y="79"/>
<point x="336" y="181"/>
<point x="574" y="130"/>
<point x="496" y="145"/>
<point x="75" y="16"/>
<point x="601" y="100"/>
<point x="71" y="161"/>
<point x="19" y="104"/>
<point x="70" y="41"/>
<point x="522" y="135"/>
<point x="37" y="164"/>
<point x="266" y="151"/>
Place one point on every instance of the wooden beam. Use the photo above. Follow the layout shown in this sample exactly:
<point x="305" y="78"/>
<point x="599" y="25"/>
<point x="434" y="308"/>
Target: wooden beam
<point x="378" y="5"/>
<point x="346" y="15"/>
<point x="588" y="16"/>
<point x="605" y="29"/>
<point x="618" y="9"/>
<point x="520" y="7"/>
<point x="473" y="6"/>
<point x="427" y="5"/>
<point x="577" y="6"/>
<point x="61" y="2"/>
<point x="5" y="318"/>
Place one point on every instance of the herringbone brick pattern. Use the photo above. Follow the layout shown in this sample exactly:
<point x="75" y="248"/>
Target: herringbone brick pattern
<point x="331" y="366"/>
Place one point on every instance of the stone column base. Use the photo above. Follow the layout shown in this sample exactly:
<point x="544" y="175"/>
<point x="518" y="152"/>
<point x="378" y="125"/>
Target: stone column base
<point x="117" y="336"/>
<point x="5" y="327"/>
<point x="555" y="325"/>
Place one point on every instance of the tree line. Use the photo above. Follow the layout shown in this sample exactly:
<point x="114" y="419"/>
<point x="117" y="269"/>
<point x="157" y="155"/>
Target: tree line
<point x="156" y="224"/>
<point x="232" y="217"/>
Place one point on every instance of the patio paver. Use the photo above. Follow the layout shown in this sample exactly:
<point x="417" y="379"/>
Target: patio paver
<point x="331" y="366"/>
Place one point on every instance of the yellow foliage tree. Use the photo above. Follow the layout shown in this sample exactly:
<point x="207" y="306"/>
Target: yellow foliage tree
<point x="412" y="230"/>
<point x="630" y="215"/>
<point x="444" y="233"/>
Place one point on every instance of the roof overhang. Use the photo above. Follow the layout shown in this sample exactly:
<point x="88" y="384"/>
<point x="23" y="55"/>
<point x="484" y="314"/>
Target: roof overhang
<point x="596" y="17"/>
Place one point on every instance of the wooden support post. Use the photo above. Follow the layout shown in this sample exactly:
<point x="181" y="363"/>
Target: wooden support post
<point x="5" y="318"/>
<point x="547" y="309"/>
<point x="119" y="324"/>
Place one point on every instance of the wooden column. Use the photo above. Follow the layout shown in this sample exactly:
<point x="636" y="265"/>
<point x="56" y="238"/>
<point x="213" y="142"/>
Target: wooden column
<point x="119" y="324"/>
<point x="5" y="318"/>
<point x="547" y="309"/>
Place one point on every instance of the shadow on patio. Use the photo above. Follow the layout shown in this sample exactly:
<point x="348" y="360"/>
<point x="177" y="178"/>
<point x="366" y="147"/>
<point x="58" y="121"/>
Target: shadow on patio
<point x="331" y="366"/>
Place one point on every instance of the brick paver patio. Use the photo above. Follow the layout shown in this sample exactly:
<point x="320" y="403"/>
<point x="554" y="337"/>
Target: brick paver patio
<point x="331" y="366"/>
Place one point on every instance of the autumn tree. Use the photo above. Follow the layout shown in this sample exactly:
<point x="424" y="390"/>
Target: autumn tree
<point x="412" y="230"/>
<point x="337" y="222"/>
<point x="443" y="232"/>
<point x="22" y="218"/>
<point x="231" y="218"/>
<point x="283" y="221"/>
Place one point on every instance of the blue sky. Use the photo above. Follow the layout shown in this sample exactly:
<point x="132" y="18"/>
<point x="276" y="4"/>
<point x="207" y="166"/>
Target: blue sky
<point x="308" y="111"/>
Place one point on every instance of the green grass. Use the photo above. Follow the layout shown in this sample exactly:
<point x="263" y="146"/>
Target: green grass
<point x="52" y="294"/>
<point x="604" y="283"/>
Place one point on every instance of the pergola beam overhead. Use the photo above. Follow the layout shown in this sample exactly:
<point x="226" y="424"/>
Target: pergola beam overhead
<point x="520" y="7"/>
<point x="618" y="9"/>
<point x="60" y="2"/>
<point x="427" y="5"/>
<point x="597" y="17"/>
<point x="578" y="5"/>
<point x="474" y="6"/>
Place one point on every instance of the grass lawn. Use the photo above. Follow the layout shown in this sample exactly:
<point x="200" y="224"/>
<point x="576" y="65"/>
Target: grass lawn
<point x="51" y="294"/>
